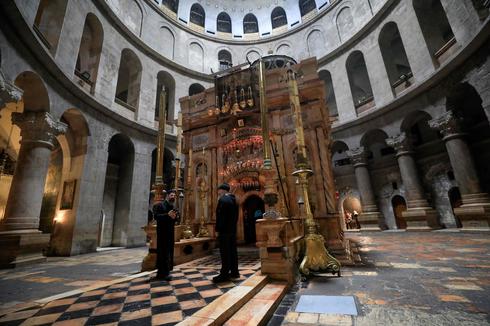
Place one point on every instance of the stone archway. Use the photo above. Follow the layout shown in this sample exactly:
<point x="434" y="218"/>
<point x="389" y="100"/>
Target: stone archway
<point x="399" y="205"/>
<point x="250" y="207"/>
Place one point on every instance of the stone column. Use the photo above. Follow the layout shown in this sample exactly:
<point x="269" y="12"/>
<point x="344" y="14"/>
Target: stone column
<point x="475" y="211"/>
<point x="19" y="229"/>
<point x="419" y="215"/>
<point x="370" y="214"/>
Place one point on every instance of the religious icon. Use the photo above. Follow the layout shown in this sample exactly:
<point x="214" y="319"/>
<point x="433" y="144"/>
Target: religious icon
<point x="243" y="103"/>
<point x="250" y="100"/>
<point x="68" y="194"/>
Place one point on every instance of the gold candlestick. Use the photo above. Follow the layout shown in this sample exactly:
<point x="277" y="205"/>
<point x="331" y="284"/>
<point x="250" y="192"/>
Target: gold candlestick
<point x="316" y="256"/>
<point x="203" y="230"/>
<point x="187" y="232"/>
<point x="162" y="119"/>
<point x="177" y="158"/>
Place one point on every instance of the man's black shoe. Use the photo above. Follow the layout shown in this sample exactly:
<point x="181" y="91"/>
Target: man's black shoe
<point x="220" y="278"/>
<point x="163" y="277"/>
<point x="233" y="276"/>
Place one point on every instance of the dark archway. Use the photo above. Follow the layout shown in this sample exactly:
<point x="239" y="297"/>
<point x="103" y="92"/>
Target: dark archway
<point x="399" y="206"/>
<point x="250" y="24"/>
<point x="360" y="85"/>
<point x="196" y="89"/>
<point x="197" y="16"/>
<point x="117" y="191"/>
<point x="456" y="201"/>
<point x="250" y="208"/>
<point x="223" y="23"/>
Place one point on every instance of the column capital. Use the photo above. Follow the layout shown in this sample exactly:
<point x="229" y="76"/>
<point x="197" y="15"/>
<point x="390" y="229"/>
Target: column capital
<point x="358" y="156"/>
<point x="401" y="143"/>
<point x="448" y="125"/>
<point x="38" y="127"/>
<point x="8" y="91"/>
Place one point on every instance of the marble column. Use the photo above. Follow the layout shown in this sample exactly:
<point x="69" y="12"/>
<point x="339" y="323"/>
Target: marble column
<point x="370" y="215"/>
<point x="475" y="211"/>
<point x="19" y="232"/>
<point x="419" y="214"/>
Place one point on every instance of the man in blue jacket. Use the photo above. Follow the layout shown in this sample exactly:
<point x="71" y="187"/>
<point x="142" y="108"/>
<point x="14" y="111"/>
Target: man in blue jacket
<point x="226" y="225"/>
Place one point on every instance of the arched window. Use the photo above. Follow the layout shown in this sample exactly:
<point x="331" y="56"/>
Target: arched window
<point x="305" y="6"/>
<point x="87" y="64"/>
<point x="49" y="21"/>
<point x="165" y="82"/>
<point x="360" y="86"/>
<point x="437" y="32"/>
<point x="223" y="23"/>
<point x="197" y="15"/>
<point x="330" y="94"/>
<point x="395" y="58"/>
<point x="171" y="4"/>
<point x="278" y="17"/>
<point x="250" y="24"/>
<point x="224" y="58"/>
<point x="195" y="89"/>
<point x="128" y="80"/>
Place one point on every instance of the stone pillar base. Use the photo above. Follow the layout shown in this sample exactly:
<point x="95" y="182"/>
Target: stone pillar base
<point x="22" y="247"/>
<point x="369" y="221"/>
<point x="421" y="218"/>
<point x="474" y="214"/>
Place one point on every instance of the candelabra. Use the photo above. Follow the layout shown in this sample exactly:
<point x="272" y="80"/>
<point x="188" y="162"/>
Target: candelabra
<point x="316" y="256"/>
<point x="203" y="230"/>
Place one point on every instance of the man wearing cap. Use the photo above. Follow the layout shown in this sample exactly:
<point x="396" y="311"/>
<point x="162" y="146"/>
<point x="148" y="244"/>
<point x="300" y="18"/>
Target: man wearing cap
<point x="226" y="221"/>
<point x="165" y="216"/>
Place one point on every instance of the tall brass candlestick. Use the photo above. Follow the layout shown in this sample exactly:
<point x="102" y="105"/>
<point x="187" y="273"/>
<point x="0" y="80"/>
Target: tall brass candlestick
<point x="316" y="256"/>
<point x="203" y="230"/>
<point x="187" y="232"/>
<point x="270" y="193"/>
<point x="162" y="119"/>
<point x="264" y="119"/>
<point x="177" y="157"/>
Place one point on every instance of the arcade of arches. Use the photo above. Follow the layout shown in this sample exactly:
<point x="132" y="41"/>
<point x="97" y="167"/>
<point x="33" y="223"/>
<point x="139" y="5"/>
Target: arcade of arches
<point x="395" y="106"/>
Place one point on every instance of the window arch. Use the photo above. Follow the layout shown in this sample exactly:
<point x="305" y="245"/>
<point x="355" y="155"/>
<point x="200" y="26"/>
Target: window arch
<point x="223" y="23"/>
<point x="128" y="80"/>
<point x="435" y="27"/>
<point x="330" y="94"/>
<point x="166" y="82"/>
<point x="196" y="89"/>
<point x="278" y="17"/>
<point x="305" y="6"/>
<point x="224" y="58"/>
<point x="395" y="57"/>
<point x="250" y="24"/>
<point x="89" y="51"/>
<point x="49" y="21"/>
<point x="362" y="93"/>
<point x="171" y="4"/>
<point x="198" y="16"/>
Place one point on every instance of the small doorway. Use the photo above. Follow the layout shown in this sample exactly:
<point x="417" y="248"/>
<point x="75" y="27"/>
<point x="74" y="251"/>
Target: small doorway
<point x="399" y="206"/>
<point x="456" y="201"/>
<point x="252" y="208"/>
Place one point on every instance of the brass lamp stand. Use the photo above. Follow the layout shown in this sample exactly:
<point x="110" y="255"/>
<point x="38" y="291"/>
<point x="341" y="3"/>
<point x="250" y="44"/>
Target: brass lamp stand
<point x="187" y="232"/>
<point x="316" y="256"/>
<point x="203" y="230"/>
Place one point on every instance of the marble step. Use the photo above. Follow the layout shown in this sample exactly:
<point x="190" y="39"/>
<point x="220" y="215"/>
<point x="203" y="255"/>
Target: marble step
<point x="260" y="308"/>
<point x="224" y="307"/>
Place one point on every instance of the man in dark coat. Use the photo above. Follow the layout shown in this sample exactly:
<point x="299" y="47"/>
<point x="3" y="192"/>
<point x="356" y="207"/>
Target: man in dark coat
<point x="226" y="225"/>
<point x="165" y="216"/>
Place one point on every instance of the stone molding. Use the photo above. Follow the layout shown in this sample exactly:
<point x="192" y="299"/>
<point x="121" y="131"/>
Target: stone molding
<point x="448" y="125"/>
<point x="8" y="91"/>
<point x="38" y="128"/>
<point x="401" y="143"/>
<point x="358" y="156"/>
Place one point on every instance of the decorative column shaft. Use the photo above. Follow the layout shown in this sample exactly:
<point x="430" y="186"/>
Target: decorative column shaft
<point x="38" y="132"/>
<point x="408" y="169"/>
<point x="419" y="216"/>
<point x="459" y="152"/>
<point x="475" y="211"/>
<point x="359" y="159"/>
<point x="370" y="212"/>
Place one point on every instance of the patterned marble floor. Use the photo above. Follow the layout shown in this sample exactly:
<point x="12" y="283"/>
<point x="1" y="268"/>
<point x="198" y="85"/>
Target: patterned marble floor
<point x="140" y="300"/>
<point x="432" y="278"/>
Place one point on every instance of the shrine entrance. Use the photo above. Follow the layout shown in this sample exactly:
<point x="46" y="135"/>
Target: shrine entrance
<point x="251" y="208"/>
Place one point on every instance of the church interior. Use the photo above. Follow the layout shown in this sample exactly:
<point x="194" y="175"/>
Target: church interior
<point x="354" y="135"/>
